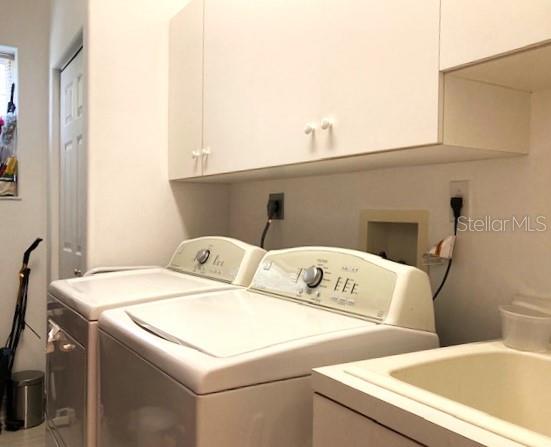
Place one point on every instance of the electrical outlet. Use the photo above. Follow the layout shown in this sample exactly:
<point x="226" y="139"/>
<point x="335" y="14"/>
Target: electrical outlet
<point x="460" y="188"/>
<point x="279" y="199"/>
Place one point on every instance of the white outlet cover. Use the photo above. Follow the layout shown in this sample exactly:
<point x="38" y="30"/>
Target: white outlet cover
<point x="460" y="188"/>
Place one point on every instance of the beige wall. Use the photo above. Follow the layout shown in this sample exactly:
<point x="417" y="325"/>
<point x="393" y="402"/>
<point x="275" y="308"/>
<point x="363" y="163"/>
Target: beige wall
<point x="24" y="24"/>
<point x="135" y="215"/>
<point x="68" y="18"/>
<point x="489" y="267"/>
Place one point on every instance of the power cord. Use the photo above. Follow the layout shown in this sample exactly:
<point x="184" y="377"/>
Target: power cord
<point x="272" y="208"/>
<point x="456" y="204"/>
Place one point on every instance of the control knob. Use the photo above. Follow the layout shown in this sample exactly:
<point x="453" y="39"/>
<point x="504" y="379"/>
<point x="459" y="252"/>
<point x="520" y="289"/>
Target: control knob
<point x="202" y="256"/>
<point x="312" y="276"/>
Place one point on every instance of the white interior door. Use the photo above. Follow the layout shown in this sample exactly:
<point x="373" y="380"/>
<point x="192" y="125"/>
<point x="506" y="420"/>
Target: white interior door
<point x="72" y="170"/>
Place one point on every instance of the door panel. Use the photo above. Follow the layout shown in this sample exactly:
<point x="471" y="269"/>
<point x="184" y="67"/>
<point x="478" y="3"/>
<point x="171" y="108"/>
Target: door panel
<point x="335" y="425"/>
<point x="380" y="74"/>
<point x="262" y="82"/>
<point x="72" y="216"/>
<point x="185" y="101"/>
<point x="478" y="29"/>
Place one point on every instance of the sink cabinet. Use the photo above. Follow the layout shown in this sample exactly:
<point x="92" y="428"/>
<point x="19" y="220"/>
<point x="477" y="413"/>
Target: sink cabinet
<point x="458" y="396"/>
<point x="336" y="425"/>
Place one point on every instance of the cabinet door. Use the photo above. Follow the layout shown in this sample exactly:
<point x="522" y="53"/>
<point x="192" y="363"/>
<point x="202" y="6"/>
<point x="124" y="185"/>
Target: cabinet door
<point x="185" y="118"/>
<point x="478" y="29"/>
<point x="335" y="425"/>
<point x="261" y="82"/>
<point x="380" y="74"/>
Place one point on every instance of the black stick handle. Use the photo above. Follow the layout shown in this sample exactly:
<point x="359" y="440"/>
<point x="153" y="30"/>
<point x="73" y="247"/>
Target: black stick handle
<point x="29" y="250"/>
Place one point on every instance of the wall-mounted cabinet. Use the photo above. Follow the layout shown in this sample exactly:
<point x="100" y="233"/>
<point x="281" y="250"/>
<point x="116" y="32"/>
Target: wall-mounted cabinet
<point x="262" y="82"/>
<point x="475" y="30"/>
<point x="292" y="87"/>
<point x="185" y="98"/>
<point x="526" y="71"/>
<point x="379" y="74"/>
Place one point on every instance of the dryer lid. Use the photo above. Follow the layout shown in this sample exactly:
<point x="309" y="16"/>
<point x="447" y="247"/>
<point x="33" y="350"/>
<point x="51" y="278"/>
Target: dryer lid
<point x="92" y="295"/>
<point x="234" y="322"/>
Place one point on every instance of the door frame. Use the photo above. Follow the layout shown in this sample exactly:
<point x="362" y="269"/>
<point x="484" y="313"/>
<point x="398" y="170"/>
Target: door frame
<point x="54" y="191"/>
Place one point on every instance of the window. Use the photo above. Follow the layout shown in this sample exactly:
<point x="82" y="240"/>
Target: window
<point x="8" y="123"/>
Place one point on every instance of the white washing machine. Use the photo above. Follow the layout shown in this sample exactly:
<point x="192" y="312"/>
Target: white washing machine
<point x="232" y="368"/>
<point x="74" y="305"/>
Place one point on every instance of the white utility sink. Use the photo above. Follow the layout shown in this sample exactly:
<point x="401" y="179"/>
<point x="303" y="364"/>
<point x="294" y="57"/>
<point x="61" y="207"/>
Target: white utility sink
<point x="501" y="390"/>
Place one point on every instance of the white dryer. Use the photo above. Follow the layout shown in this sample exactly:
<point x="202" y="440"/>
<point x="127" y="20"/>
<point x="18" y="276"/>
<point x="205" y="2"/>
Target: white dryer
<point x="74" y="305"/>
<point x="232" y="368"/>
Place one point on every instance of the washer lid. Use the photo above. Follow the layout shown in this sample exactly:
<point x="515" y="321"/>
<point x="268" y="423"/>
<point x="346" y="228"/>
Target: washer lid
<point x="235" y="322"/>
<point x="91" y="295"/>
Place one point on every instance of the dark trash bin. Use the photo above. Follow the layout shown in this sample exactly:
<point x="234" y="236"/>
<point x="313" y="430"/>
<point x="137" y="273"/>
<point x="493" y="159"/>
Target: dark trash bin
<point x="26" y="399"/>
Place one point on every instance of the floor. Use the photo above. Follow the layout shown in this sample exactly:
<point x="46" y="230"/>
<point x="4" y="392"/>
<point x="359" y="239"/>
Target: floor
<point x="32" y="437"/>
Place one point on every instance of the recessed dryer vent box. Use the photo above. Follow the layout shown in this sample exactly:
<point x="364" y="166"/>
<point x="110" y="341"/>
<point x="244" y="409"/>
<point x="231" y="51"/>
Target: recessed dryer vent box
<point x="401" y="235"/>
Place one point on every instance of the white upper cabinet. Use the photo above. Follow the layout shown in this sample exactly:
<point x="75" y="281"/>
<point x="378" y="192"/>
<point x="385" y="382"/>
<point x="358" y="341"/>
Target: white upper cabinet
<point x="474" y="30"/>
<point x="316" y="86"/>
<point x="185" y="101"/>
<point x="292" y="81"/>
<point x="262" y="82"/>
<point x="380" y="76"/>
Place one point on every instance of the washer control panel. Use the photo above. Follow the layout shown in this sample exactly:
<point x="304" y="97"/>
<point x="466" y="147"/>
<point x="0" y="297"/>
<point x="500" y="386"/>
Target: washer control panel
<point x="345" y="280"/>
<point x="219" y="258"/>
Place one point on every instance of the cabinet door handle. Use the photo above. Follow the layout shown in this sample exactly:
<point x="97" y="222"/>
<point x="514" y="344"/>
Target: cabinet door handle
<point x="195" y="154"/>
<point x="206" y="151"/>
<point x="309" y="129"/>
<point x="326" y="123"/>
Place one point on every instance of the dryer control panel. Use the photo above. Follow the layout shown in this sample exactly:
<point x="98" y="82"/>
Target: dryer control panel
<point x="224" y="259"/>
<point x="352" y="282"/>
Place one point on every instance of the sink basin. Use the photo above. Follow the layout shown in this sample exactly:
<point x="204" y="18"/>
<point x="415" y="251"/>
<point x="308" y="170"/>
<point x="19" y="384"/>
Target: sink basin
<point x="491" y="386"/>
